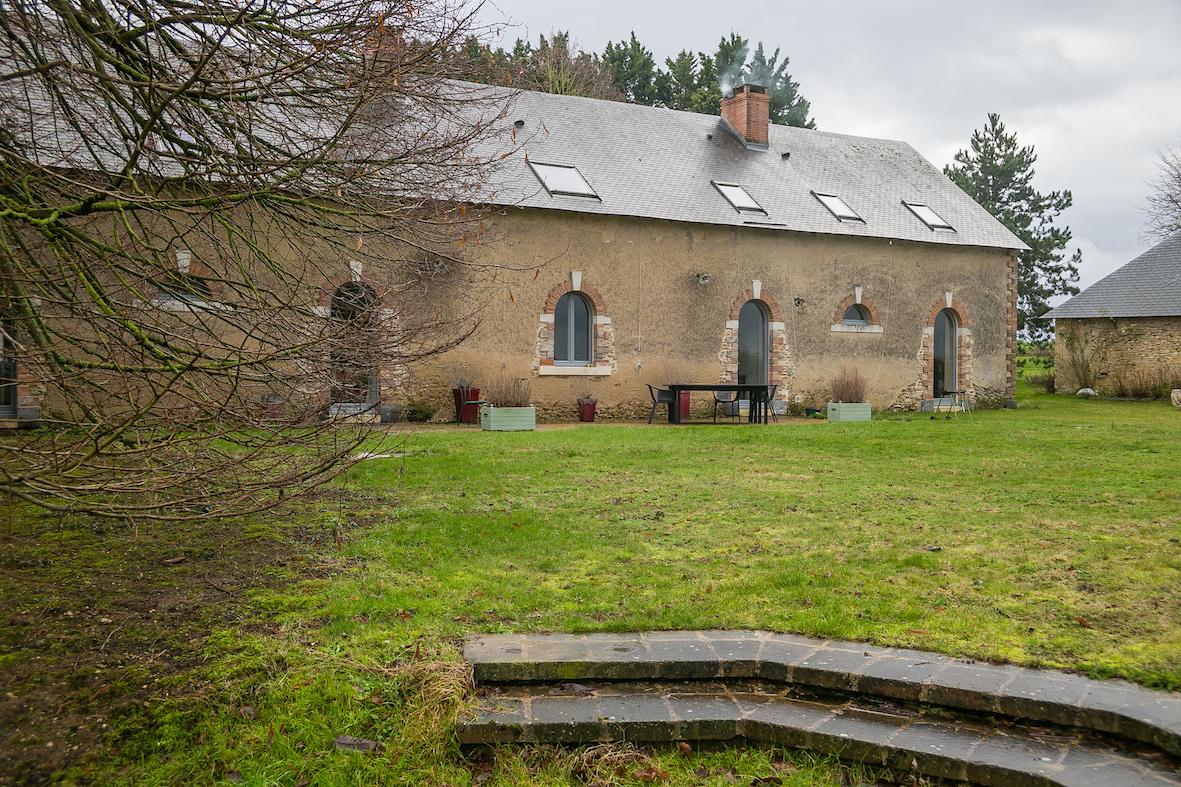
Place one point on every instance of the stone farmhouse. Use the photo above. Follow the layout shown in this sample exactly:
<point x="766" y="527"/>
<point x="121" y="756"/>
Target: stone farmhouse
<point x="644" y="245"/>
<point x="631" y="246"/>
<point x="1124" y="326"/>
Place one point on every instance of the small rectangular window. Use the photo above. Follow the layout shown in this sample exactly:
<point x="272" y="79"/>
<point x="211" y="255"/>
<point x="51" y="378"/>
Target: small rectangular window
<point x="738" y="197"/>
<point x="837" y="207"/>
<point x="929" y="217"/>
<point x="562" y="179"/>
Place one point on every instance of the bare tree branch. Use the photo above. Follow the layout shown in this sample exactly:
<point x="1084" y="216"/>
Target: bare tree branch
<point x="1163" y="211"/>
<point x="214" y="221"/>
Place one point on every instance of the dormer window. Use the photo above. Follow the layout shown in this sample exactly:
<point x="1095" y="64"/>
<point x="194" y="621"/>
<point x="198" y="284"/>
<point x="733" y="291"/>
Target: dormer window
<point x="562" y="179"/>
<point x="837" y="207"/>
<point x="927" y="216"/>
<point x="738" y="197"/>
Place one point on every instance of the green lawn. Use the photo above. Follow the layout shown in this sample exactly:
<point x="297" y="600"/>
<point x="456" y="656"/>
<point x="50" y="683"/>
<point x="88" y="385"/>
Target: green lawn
<point x="1047" y="536"/>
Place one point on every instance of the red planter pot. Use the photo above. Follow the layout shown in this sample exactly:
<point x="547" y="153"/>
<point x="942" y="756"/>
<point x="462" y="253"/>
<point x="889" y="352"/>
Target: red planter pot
<point x="586" y="409"/>
<point x="684" y="405"/>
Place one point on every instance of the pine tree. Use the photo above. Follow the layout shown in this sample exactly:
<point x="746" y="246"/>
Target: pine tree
<point x="998" y="174"/>
<point x="677" y="91"/>
<point x="633" y="70"/>
<point x="788" y="107"/>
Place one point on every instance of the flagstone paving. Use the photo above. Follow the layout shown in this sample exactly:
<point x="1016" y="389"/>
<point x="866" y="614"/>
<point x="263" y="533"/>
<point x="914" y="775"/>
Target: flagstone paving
<point x="879" y="705"/>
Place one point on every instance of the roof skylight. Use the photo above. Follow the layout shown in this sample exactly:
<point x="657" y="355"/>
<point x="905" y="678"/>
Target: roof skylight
<point x="562" y="179"/>
<point x="738" y="197"/>
<point x="929" y="217"/>
<point x="837" y="207"/>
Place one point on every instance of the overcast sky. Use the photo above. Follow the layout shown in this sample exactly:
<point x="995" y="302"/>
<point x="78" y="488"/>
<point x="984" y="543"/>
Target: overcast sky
<point x="1093" y="85"/>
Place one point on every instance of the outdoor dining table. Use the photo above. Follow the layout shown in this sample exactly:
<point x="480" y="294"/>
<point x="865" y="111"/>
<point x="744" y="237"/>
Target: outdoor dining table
<point x="759" y="395"/>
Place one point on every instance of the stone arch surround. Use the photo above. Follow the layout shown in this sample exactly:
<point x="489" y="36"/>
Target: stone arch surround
<point x="782" y="365"/>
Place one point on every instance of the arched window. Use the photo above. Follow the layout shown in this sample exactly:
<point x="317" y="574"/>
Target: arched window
<point x="353" y="356"/>
<point x="7" y="369"/>
<point x="753" y="344"/>
<point x="855" y="315"/>
<point x="573" y="331"/>
<point x="353" y="302"/>
<point x="946" y="376"/>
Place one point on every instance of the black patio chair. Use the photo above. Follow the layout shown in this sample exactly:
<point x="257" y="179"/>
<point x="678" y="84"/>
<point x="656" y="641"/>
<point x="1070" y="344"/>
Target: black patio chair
<point x="660" y="396"/>
<point x="729" y="402"/>
<point x="771" y="389"/>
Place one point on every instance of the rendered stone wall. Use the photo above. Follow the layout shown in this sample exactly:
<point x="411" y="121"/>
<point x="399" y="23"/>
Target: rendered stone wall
<point x="666" y="326"/>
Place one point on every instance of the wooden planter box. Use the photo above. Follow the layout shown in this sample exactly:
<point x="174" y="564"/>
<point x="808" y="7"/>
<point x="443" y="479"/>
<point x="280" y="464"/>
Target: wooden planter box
<point x="849" y="411"/>
<point x="508" y="419"/>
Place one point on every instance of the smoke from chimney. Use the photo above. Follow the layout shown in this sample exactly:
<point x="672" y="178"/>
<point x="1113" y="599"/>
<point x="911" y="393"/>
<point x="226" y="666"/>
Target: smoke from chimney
<point x="726" y="84"/>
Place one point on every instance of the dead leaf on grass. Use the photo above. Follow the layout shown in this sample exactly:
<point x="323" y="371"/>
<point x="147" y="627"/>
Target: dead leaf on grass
<point x="920" y="632"/>
<point x="350" y="743"/>
<point x="652" y="775"/>
<point x="175" y="560"/>
<point x="1083" y="622"/>
<point x="767" y="780"/>
<point x="248" y="712"/>
<point x="686" y="749"/>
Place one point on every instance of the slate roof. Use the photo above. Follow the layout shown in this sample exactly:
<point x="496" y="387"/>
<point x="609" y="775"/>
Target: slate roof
<point x="1148" y="286"/>
<point x="659" y="163"/>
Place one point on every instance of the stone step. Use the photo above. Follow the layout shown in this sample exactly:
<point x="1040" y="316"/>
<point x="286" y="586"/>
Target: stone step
<point x="876" y="733"/>
<point x="1111" y="706"/>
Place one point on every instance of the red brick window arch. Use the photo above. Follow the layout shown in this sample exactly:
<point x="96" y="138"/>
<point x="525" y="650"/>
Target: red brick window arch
<point x="960" y="349"/>
<point x="575" y="335"/>
<point x="780" y="362"/>
<point x="857" y="313"/>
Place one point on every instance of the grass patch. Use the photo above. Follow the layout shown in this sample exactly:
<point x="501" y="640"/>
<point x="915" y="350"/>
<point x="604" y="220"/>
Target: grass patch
<point x="1045" y="536"/>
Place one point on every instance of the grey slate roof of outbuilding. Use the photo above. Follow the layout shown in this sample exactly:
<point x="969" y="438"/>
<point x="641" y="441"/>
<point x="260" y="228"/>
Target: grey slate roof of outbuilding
<point x="659" y="163"/>
<point x="1148" y="286"/>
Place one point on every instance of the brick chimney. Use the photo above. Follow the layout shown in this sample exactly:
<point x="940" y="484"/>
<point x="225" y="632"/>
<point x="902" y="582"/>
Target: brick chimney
<point x="748" y="112"/>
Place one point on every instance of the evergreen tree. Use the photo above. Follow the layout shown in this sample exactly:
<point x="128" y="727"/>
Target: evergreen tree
<point x="998" y="174"/>
<point x="707" y="97"/>
<point x="730" y="61"/>
<point x="633" y="70"/>
<point x="788" y="107"/>
<point x="627" y="71"/>
<point x="681" y="83"/>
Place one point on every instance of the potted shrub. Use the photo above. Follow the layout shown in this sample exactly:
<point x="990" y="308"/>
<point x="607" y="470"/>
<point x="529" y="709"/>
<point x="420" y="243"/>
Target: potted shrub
<point x="586" y="407"/>
<point x="848" y="403"/>
<point x="508" y="408"/>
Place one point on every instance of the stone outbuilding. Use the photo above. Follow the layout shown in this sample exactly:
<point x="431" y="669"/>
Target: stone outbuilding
<point x="1122" y="335"/>
<point x="641" y="245"/>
